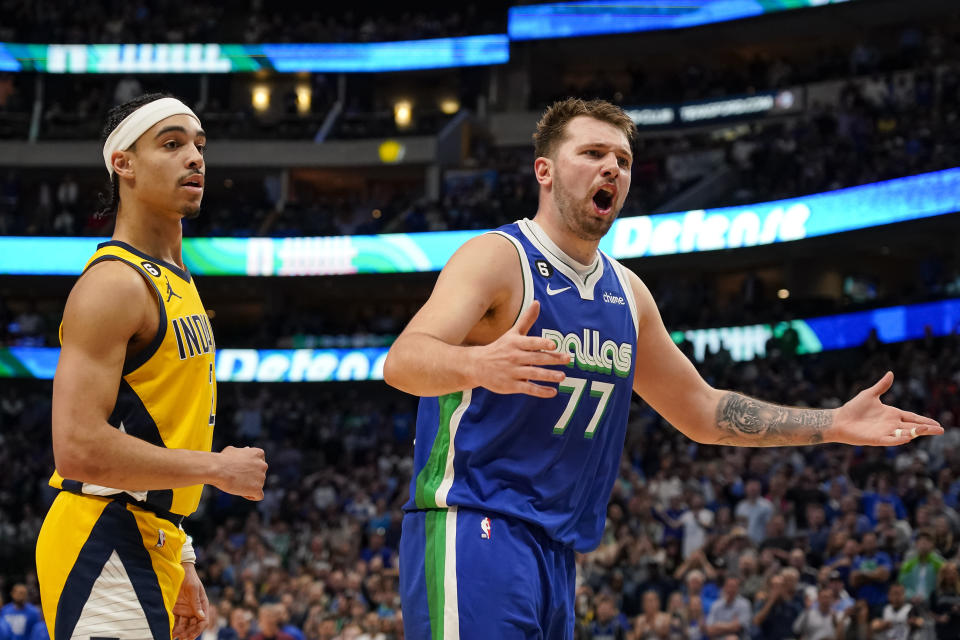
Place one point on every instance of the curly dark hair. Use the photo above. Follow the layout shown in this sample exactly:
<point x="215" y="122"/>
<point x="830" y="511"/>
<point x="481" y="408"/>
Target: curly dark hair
<point x="116" y="115"/>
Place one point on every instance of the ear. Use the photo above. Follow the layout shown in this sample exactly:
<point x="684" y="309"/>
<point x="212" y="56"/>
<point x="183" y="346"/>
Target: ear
<point x="543" y="169"/>
<point x="122" y="162"/>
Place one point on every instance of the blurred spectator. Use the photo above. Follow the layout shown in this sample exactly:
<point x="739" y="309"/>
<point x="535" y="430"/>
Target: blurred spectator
<point x="268" y="623"/>
<point x="239" y="628"/>
<point x="756" y="511"/>
<point x="918" y="573"/>
<point x="871" y="573"/>
<point x="780" y="607"/>
<point x="662" y="629"/>
<point x="945" y="602"/>
<point x="729" y="616"/>
<point x="883" y="493"/>
<point x="798" y="560"/>
<point x="609" y="623"/>
<point x="644" y="622"/>
<point x="844" y="562"/>
<point x="695" y="582"/>
<point x="215" y="623"/>
<point x="818" y="621"/>
<point x="856" y="623"/>
<point x="68" y="193"/>
<point x="20" y="615"/>
<point x="944" y="540"/>
<point x="900" y="618"/>
<point x="842" y="600"/>
<point x="750" y="580"/>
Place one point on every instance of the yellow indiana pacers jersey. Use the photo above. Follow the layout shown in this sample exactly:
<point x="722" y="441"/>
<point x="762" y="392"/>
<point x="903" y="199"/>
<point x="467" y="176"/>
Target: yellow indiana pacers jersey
<point x="167" y="393"/>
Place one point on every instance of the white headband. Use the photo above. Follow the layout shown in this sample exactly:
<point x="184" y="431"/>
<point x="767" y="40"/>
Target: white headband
<point x="138" y="122"/>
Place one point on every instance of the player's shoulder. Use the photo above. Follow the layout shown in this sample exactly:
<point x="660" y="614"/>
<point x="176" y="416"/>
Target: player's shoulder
<point x="113" y="278"/>
<point x="490" y="249"/>
<point x="109" y="288"/>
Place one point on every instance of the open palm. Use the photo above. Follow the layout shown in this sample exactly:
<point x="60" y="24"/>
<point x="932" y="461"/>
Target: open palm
<point x="865" y="420"/>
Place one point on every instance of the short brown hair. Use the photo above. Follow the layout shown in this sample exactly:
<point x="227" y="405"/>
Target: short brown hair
<point x="553" y="124"/>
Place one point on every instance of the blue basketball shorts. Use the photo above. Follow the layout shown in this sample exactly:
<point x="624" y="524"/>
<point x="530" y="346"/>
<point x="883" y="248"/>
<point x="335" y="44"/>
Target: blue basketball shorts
<point x="474" y="575"/>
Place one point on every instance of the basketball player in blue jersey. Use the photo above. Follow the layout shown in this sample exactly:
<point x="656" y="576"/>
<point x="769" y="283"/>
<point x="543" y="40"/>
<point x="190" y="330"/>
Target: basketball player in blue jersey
<point x="134" y="402"/>
<point x="525" y="356"/>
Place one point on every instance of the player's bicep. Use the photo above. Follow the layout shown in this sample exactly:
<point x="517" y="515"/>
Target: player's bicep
<point x="103" y="312"/>
<point x="664" y="377"/>
<point x="474" y="281"/>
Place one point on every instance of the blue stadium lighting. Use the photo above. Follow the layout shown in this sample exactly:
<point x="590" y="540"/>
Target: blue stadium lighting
<point x="826" y="333"/>
<point x="389" y="56"/>
<point x="596" y="17"/>
<point x="861" y="207"/>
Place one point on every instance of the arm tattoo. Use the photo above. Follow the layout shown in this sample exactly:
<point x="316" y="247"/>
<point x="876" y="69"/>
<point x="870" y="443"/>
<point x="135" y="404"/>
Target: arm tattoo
<point x="746" y="421"/>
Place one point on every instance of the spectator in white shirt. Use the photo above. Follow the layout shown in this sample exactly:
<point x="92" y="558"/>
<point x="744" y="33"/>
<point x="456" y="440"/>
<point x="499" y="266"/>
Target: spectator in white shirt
<point x="899" y="617"/>
<point x="729" y="617"/>
<point x="818" y="622"/>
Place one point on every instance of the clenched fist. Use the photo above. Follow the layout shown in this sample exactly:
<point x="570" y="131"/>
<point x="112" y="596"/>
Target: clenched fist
<point x="242" y="472"/>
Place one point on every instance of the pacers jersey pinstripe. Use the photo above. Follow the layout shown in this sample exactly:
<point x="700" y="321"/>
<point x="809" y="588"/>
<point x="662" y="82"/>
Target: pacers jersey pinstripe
<point x="167" y="393"/>
<point x="551" y="462"/>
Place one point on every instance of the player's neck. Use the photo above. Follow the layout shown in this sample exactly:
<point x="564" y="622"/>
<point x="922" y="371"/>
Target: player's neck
<point x="158" y="236"/>
<point x="583" y="251"/>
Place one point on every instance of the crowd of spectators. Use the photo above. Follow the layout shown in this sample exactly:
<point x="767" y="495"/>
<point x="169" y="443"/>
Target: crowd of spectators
<point x="880" y="127"/>
<point x="701" y="541"/>
<point x="693" y="76"/>
<point x="883" y="127"/>
<point x="253" y="21"/>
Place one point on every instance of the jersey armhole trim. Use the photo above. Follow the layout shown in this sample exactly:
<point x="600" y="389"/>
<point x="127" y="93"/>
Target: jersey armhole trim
<point x="141" y="358"/>
<point x="624" y="279"/>
<point x="183" y="274"/>
<point x="526" y="276"/>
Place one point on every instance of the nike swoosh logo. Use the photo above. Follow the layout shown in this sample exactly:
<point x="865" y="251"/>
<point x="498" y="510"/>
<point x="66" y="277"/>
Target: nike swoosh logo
<point x="553" y="292"/>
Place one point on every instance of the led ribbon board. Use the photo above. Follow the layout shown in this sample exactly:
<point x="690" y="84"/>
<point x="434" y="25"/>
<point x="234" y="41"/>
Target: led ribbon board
<point x="238" y="58"/>
<point x="827" y="333"/>
<point x="596" y="17"/>
<point x="870" y="205"/>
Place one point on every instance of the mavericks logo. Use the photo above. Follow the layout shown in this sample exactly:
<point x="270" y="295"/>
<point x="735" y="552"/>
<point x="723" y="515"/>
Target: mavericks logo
<point x="592" y="354"/>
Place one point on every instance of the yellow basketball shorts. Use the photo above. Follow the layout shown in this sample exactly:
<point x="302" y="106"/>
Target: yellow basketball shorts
<point x="107" y="570"/>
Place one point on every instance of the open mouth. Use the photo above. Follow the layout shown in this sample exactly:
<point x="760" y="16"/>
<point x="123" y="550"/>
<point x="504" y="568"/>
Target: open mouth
<point x="194" y="183"/>
<point x="603" y="200"/>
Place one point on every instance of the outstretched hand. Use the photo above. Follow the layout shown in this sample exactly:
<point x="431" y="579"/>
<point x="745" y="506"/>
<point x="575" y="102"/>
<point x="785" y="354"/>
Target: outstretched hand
<point x="865" y="420"/>
<point x="512" y="361"/>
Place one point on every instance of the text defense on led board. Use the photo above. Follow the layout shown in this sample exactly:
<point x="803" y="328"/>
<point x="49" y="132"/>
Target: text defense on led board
<point x="827" y="333"/>
<point x="880" y="203"/>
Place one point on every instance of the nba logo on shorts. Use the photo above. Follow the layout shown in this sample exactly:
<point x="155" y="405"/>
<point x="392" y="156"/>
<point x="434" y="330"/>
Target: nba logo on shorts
<point x="161" y="538"/>
<point x="485" y="528"/>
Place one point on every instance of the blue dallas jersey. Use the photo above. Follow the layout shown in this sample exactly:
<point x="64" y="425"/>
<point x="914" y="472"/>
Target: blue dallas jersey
<point x="551" y="462"/>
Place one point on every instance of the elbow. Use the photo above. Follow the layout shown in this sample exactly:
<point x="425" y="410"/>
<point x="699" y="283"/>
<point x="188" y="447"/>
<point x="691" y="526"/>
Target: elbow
<point x="73" y="461"/>
<point x="68" y="463"/>
<point x="390" y="370"/>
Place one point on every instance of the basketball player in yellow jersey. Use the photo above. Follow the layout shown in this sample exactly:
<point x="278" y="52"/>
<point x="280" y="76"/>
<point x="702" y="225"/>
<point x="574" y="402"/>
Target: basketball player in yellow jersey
<point x="134" y="402"/>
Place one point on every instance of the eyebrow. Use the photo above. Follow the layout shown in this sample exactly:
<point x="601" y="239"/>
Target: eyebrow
<point x="175" y="127"/>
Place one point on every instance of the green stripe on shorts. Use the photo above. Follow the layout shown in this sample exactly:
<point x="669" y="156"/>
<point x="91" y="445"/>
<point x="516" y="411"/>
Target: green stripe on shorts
<point x="435" y="565"/>
<point x="430" y="477"/>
